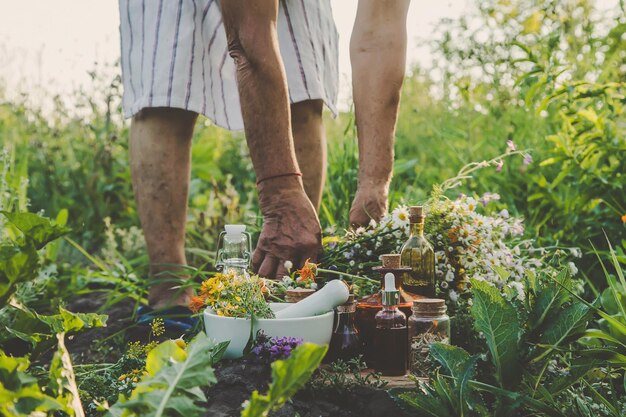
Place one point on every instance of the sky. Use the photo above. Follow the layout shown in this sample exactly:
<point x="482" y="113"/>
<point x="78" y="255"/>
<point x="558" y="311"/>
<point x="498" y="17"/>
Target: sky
<point x="52" y="51"/>
<point x="49" y="47"/>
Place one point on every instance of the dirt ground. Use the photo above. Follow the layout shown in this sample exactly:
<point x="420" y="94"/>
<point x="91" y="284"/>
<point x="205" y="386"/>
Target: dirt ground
<point x="236" y="378"/>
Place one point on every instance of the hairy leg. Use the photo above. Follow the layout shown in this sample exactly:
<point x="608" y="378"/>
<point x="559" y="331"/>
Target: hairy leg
<point x="160" y="154"/>
<point x="310" y="143"/>
<point x="378" y="56"/>
<point x="291" y="230"/>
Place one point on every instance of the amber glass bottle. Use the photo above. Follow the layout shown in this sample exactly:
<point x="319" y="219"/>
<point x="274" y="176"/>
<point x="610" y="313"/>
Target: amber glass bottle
<point x="418" y="254"/>
<point x="391" y="334"/>
<point x="345" y="342"/>
<point x="369" y="306"/>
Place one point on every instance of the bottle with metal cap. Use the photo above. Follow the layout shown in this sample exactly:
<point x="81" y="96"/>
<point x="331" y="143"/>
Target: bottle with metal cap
<point x="368" y="306"/>
<point x="428" y="324"/>
<point x="345" y="342"/>
<point x="234" y="249"/>
<point x="390" y="336"/>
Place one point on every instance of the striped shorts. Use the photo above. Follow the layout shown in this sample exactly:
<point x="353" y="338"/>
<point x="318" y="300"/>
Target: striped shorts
<point x="175" y="54"/>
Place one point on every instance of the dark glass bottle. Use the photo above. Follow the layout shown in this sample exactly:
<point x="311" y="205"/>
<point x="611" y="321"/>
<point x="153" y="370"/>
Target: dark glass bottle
<point x="418" y="254"/>
<point x="391" y="334"/>
<point x="345" y="342"/>
<point x="369" y="306"/>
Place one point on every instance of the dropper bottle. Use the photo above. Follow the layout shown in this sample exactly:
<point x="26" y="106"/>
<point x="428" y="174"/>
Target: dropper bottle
<point x="391" y="334"/>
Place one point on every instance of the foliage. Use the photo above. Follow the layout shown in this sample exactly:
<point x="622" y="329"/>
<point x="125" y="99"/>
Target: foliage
<point x="288" y="376"/>
<point x="19" y="260"/>
<point x="20" y="393"/>
<point x="525" y="349"/>
<point x="344" y="376"/>
<point x="175" y="377"/>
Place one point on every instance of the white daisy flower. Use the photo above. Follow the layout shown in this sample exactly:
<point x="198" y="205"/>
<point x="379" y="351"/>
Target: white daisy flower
<point x="400" y="217"/>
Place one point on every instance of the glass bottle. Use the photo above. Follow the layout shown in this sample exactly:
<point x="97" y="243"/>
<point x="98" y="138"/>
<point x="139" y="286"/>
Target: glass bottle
<point x="368" y="306"/>
<point x="428" y="324"/>
<point x="345" y="342"/>
<point x="418" y="254"/>
<point x="234" y="250"/>
<point x="391" y="335"/>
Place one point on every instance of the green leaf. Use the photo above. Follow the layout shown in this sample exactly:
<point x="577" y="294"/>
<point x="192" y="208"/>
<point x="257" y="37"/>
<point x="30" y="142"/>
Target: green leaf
<point x="161" y="356"/>
<point x="19" y="393"/>
<point x="452" y="358"/>
<point x="67" y="322"/>
<point x="174" y="388"/>
<point x="426" y="405"/>
<point x="460" y="366"/>
<point x="568" y="323"/>
<point x="499" y="323"/>
<point x="17" y="264"/>
<point x="549" y="298"/>
<point x="37" y="229"/>
<point x="288" y="376"/>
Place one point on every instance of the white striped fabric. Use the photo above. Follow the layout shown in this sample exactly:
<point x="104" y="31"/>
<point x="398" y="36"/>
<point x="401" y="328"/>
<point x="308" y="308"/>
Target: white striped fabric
<point x="174" y="54"/>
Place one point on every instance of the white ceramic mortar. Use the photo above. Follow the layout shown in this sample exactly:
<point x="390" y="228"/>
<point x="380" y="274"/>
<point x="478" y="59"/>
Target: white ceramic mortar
<point x="315" y="329"/>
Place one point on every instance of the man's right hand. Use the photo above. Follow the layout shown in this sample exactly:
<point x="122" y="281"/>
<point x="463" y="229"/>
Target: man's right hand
<point x="291" y="230"/>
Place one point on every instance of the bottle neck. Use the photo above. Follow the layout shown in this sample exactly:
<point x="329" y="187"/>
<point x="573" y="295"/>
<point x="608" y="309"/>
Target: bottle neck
<point x="417" y="227"/>
<point x="345" y="318"/>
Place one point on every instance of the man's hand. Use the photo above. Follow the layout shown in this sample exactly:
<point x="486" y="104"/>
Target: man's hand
<point x="369" y="203"/>
<point x="291" y="230"/>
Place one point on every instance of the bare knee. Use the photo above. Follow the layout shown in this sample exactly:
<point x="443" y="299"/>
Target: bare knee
<point x="166" y="120"/>
<point x="306" y="112"/>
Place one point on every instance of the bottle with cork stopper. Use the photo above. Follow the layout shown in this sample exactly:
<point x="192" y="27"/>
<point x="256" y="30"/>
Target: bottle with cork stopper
<point x="419" y="256"/>
<point x="368" y="306"/>
<point x="428" y="324"/>
<point x="391" y="335"/>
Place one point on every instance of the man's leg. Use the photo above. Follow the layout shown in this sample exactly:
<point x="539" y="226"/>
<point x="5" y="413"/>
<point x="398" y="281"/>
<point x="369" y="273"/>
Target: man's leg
<point x="291" y="230"/>
<point x="160" y="155"/>
<point x="378" y="56"/>
<point x="310" y="143"/>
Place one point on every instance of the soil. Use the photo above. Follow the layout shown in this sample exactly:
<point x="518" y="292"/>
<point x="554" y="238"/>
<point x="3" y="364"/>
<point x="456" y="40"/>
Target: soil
<point x="236" y="378"/>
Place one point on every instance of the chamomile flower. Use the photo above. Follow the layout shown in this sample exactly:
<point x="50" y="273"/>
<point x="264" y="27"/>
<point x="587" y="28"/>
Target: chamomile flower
<point x="400" y="217"/>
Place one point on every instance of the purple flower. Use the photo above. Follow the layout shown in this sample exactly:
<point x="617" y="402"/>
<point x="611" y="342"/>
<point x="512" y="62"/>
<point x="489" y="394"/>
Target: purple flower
<point x="276" y="347"/>
<point x="510" y="146"/>
<point x="499" y="165"/>
<point x="528" y="159"/>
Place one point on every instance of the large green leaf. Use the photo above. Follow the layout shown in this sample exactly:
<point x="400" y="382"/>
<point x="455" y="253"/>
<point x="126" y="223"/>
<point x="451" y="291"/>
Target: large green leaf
<point x="568" y="323"/>
<point x="549" y="298"/>
<point x="174" y="386"/>
<point x="19" y="393"/>
<point x="17" y="264"/>
<point x="460" y="366"/>
<point x="288" y="376"/>
<point x="66" y="321"/>
<point x="37" y="229"/>
<point x="499" y="323"/>
<point x="426" y="405"/>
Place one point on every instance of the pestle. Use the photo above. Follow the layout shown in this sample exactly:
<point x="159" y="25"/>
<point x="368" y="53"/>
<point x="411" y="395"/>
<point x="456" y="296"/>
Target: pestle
<point x="335" y="293"/>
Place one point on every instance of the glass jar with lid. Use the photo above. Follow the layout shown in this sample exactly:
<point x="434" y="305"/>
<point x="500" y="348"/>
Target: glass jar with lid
<point x="428" y="324"/>
<point x="234" y="250"/>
